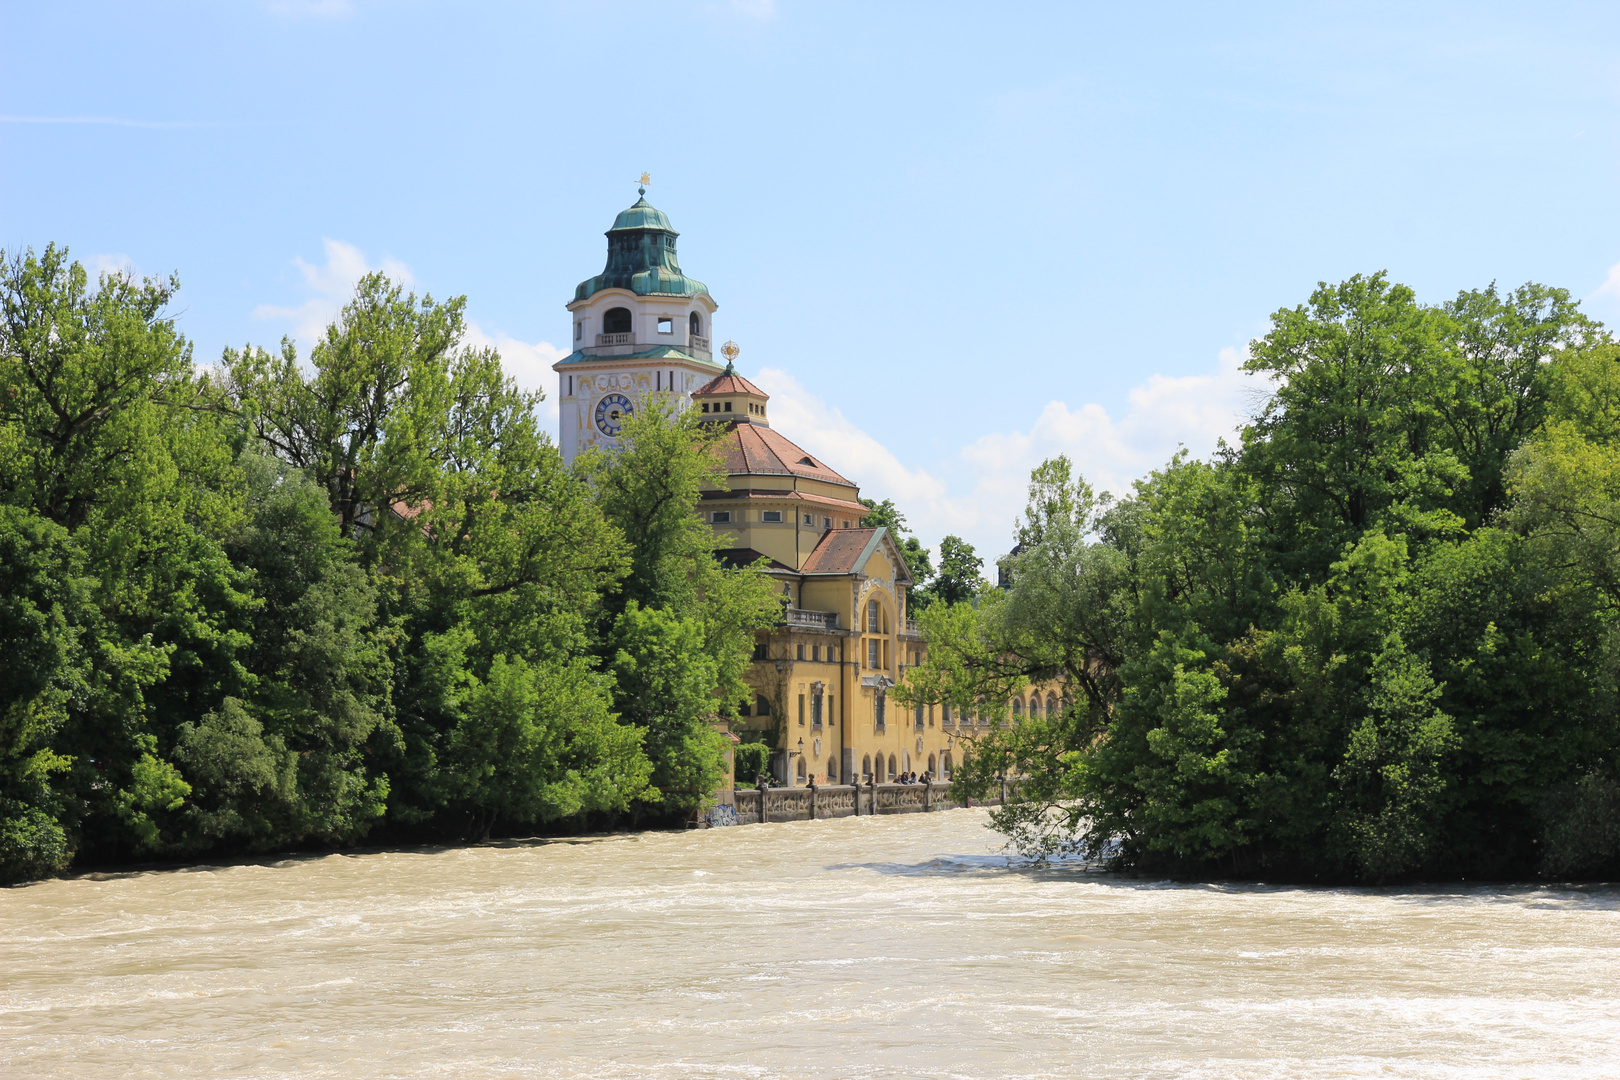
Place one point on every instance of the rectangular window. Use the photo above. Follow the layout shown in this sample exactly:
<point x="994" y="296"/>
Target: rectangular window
<point x="945" y="716"/>
<point x="809" y="519"/>
<point x="826" y="523"/>
<point x="919" y="718"/>
<point x="815" y="710"/>
<point x="720" y="517"/>
<point x="832" y="715"/>
<point x="880" y="707"/>
<point x="728" y="406"/>
<point x="815" y="652"/>
<point x="832" y="654"/>
<point x="871" y="616"/>
<point x="872" y="654"/>
<point x="666" y="325"/>
<point x="579" y="330"/>
<point x="771" y="515"/>
<point x="762" y="650"/>
<point x="801" y="710"/>
<point x="800" y="654"/>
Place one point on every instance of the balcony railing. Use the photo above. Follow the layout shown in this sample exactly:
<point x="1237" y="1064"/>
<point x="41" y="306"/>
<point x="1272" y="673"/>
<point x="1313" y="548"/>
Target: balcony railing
<point x="616" y="339"/>
<point x="911" y="626"/>
<point x="698" y="342"/>
<point x="821" y="620"/>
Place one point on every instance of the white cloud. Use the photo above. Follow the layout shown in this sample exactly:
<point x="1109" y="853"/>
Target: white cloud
<point x="528" y="363"/>
<point x="979" y="495"/>
<point x="1608" y="293"/>
<point x="115" y="265"/>
<point x="826" y="432"/>
<point x="331" y="286"/>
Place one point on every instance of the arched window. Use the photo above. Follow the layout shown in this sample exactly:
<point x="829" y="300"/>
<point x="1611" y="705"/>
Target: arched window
<point x="879" y="775"/>
<point x="1051" y="706"/>
<point x="932" y="769"/>
<point x="894" y="767"/>
<point x="832" y="771"/>
<point x="694" y="324"/>
<point x="866" y="765"/>
<point x="947" y="773"/>
<point x="1018" y="709"/>
<point x="801" y="768"/>
<point x="1034" y="706"/>
<point x="616" y="321"/>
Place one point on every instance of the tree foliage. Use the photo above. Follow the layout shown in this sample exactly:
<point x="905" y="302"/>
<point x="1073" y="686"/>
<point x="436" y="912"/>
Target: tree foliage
<point x="296" y="599"/>
<point x="1374" y="640"/>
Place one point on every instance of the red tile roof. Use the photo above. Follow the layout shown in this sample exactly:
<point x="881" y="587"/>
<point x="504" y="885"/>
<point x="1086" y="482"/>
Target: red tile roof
<point x="841" y="551"/>
<point x="730" y="383"/>
<point x="752" y="448"/>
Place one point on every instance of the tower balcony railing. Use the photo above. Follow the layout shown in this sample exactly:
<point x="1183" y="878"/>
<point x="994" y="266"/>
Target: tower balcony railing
<point x="616" y="339"/>
<point x="821" y="620"/>
<point x="698" y="342"/>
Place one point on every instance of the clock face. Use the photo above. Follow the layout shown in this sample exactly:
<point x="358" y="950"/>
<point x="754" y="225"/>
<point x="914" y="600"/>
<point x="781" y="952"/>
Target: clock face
<point x="610" y="413"/>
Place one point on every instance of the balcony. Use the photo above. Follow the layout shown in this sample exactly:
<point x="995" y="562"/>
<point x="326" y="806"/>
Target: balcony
<point x="819" y="620"/>
<point x="615" y="339"/>
<point x="697" y="342"/>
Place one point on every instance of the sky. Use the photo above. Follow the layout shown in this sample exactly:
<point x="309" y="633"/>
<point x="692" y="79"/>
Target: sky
<point x="950" y="239"/>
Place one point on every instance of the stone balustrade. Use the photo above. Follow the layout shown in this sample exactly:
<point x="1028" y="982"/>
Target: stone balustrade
<point x="843" y="800"/>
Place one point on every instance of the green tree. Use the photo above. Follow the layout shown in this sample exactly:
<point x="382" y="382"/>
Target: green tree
<point x="960" y="575"/>
<point x="683" y="625"/>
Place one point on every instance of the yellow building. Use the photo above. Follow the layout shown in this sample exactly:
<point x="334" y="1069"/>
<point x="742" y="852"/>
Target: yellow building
<point x="821" y="679"/>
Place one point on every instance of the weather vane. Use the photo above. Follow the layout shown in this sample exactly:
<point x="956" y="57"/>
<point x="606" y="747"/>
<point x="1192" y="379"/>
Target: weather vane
<point x="645" y="180"/>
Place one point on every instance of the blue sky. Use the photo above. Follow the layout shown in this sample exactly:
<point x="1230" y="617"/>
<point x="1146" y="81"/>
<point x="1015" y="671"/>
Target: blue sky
<point x="951" y="239"/>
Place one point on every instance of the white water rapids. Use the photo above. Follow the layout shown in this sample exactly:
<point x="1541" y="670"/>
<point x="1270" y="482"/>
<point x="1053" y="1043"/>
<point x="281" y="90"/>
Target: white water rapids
<point x="900" y="946"/>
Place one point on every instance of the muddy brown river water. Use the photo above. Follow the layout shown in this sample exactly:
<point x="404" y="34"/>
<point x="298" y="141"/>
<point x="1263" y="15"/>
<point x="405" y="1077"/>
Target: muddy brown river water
<point x="862" y="947"/>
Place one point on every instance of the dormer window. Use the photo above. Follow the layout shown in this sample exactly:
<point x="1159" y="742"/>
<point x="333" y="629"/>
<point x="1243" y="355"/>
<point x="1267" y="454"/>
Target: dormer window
<point x="807" y="460"/>
<point x="694" y="324"/>
<point x="666" y="325"/>
<point x="616" y="321"/>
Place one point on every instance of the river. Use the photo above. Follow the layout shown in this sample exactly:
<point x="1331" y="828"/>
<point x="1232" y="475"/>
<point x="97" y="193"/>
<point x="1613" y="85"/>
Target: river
<point x="863" y="947"/>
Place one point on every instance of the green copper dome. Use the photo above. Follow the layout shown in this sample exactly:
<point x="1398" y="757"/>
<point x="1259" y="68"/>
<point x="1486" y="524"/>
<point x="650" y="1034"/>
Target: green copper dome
<point x="643" y="215"/>
<point x="641" y="257"/>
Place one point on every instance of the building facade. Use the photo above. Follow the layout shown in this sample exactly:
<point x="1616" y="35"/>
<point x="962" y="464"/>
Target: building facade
<point x="821" y="679"/>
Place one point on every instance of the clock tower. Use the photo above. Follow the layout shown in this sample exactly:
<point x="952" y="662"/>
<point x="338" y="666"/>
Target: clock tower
<point x="642" y="329"/>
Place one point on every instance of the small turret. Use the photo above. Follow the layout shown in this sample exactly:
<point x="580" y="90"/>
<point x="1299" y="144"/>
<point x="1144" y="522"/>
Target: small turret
<point x="730" y="397"/>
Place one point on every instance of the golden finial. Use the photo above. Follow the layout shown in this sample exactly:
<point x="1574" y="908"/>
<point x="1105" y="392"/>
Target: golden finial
<point x="730" y="351"/>
<point x="645" y="180"/>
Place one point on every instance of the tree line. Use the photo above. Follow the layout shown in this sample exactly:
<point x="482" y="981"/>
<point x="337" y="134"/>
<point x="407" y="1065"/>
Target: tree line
<point x="1374" y="640"/>
<point x="290" y="600"/>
